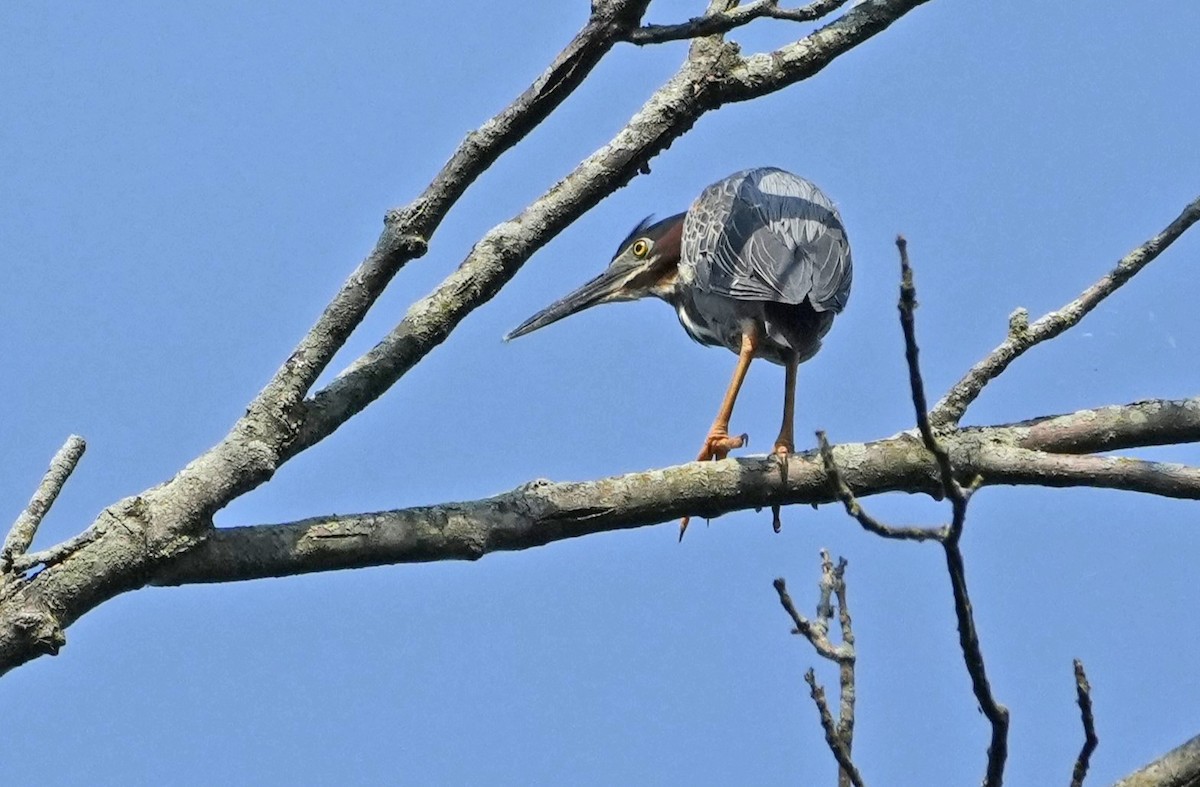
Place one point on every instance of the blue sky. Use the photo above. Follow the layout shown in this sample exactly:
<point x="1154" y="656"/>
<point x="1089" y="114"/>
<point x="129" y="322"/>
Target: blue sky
<point x="182" y="189"/>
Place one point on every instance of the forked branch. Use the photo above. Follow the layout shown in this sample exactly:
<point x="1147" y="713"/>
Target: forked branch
<point x="21" y="535"/>
<point x="839" y="733"/>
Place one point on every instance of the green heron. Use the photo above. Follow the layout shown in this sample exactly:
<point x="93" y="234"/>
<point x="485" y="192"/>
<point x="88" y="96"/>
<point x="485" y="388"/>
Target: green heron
<point x="759" y="264"/>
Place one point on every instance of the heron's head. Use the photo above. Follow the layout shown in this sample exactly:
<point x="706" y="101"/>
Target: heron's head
<point x="646" y="263"/>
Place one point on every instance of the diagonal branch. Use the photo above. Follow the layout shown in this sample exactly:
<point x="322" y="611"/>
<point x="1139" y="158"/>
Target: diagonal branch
<point x="729" y="19"/>
<point x="841" y="752"/>
<point x="855" y="509"/>
<point x="968" y="635"/>
<point x="407" y="230"/>
<point x="1022" y="336"/>
<point x="25" y="528"/>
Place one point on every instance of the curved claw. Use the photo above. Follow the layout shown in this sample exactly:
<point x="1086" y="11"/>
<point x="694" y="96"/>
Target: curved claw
<point x="782" y="453"/>
<point x="718" y="445"/>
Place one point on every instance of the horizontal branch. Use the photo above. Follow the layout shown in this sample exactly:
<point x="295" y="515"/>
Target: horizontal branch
<point x="1136" y="425"/>
<point x="542" y="512"/>
<point x="1023" y="336"/>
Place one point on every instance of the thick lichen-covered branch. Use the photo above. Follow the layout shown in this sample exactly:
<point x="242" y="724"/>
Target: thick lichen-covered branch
<point x="543" y="512"/>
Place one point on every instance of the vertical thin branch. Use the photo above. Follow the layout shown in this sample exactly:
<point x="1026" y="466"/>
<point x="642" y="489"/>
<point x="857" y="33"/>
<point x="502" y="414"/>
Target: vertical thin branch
<point x="968" y="635"/>
<point x="1083" y="691"/>
<point x="838" y="734"/>
<point x="846" y="667"/>
<point x="20" y="536"/>
<point x="841" y="751"/>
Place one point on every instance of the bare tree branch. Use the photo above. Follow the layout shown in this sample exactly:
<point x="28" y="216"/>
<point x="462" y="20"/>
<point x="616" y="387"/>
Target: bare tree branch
<point x="1113" y="428"/>
<point x="855" y="509"/>
<point x="20" y="536"/>
<point x="178" y="512"/>
<point x="730" y="18"/>
<point x="1022" y="336"/>
<point x="815" y="631"/>
<point x="542" y="512"/>
<point x="132" y="535"/>
<point x="165" y="535"/>
<point x="1179" y="767"/>
<point x="846" y="667"/>
<point x="1083" y="692"/>
<point x="407" y="230"/>
<point x="968" y="635"/>
<point x="134" y="538"/>
<point x="839" y="734"/>
<point x="836" y="745"/>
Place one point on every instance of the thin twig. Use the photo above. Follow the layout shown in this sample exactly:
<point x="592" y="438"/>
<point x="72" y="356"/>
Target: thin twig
<point x="907" y="306"/>
<point x="21" y="535"/>
<point x="968" y="639"/>
<point x="968" y="636"/>
<point x="1083" y="690"/>
<point x="836" y="745"/>
<point x="1022" y="335"/>
<point x="855" y="509"/>
<point x="730" y="18"/>
<point x="810" y="630"/>
<point x="59" y="552"/>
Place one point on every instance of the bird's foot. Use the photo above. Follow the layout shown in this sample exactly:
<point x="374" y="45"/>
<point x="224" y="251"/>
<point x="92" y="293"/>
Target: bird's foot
<point x="716" y="447"/>
<point x="718" y="444"/>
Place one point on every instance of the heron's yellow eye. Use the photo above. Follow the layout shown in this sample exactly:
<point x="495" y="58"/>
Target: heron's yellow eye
<point x="641" y="248"/>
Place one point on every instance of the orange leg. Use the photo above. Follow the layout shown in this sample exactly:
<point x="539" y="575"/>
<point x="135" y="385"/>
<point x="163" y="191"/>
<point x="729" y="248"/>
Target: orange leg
<point x="786" y="444"/>
<point x="718" y="444"/>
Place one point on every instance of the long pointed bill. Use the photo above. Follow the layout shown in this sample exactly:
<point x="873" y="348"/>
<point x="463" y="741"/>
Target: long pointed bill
<point x="604" y="288"/>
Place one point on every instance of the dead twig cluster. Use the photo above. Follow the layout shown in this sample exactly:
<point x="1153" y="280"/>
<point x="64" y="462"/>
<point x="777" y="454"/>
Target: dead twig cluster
<point x="839" y="732"/>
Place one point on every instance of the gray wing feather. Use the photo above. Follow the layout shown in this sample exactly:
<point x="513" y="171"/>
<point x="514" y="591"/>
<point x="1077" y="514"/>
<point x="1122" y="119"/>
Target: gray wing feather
<point x="765" y="234"/>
